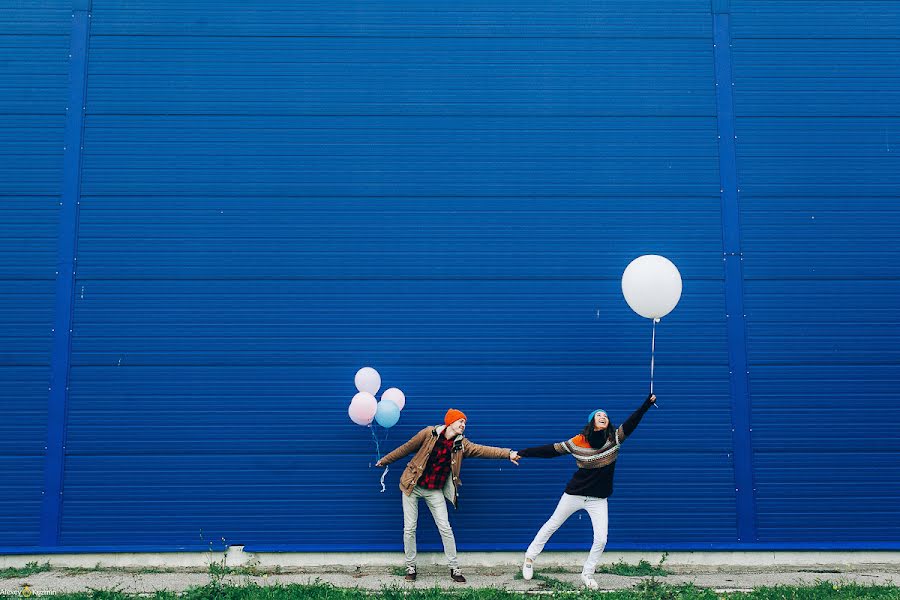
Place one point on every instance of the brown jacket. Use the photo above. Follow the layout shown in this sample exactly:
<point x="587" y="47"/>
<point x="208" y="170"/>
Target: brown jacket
<point x="423" y="443"/>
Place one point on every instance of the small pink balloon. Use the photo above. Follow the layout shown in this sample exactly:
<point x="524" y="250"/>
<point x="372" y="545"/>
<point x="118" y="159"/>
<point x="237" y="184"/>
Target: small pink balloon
<point x="362" y="408"/>
<point x="396" y="396"/>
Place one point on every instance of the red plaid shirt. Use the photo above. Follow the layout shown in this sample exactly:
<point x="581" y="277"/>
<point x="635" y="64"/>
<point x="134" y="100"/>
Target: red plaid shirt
<point x="438" y="467"/>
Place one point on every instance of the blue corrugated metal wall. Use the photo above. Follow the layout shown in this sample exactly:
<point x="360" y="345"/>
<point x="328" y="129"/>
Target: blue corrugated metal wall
<point x="817" y="86"/>
<point x="34" y="44"/>
<point x="271" y="198"/>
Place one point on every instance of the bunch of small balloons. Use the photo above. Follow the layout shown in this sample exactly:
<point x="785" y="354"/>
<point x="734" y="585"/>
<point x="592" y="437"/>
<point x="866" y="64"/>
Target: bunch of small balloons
<point x="364" y="408"/>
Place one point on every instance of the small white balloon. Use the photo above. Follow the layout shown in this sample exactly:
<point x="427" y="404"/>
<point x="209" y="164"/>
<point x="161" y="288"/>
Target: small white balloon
<point x="362" y="408"/>
<point x="394" y="395"/>
<point x="368" y="380"/>
<point x="652" y="286"/>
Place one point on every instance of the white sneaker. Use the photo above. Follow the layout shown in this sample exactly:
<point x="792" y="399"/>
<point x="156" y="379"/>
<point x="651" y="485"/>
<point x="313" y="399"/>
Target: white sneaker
<point x="527" y="569"/>
<point x="589" y="581"/>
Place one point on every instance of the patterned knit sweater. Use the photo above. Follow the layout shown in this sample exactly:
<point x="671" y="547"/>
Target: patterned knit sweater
<point x="596" y="466"/>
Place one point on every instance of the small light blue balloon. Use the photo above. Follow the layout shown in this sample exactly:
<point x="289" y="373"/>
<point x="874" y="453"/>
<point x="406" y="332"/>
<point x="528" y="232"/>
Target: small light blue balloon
<point x="387" y="414"/>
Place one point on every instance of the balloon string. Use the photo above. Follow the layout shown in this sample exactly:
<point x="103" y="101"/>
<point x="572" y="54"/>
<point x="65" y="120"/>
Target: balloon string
<point x="383" y="475"/>
<point x="653" y="357"/>
<point x="378" y="454"/>
<point x="377" y="446"/>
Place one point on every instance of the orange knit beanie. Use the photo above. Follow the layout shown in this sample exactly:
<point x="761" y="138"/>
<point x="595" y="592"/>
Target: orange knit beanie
<point x="453" y="416"/>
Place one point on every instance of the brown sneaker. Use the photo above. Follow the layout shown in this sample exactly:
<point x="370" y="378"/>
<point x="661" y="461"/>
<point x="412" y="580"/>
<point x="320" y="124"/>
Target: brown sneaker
<point x="457" y="576"/>
<point x="410" y="573"/>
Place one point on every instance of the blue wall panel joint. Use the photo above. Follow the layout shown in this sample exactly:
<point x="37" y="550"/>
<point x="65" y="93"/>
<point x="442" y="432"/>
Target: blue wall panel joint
<point x="67" y="239"/>
<point x="734" y="281"/>
<point x="721" y="6"/>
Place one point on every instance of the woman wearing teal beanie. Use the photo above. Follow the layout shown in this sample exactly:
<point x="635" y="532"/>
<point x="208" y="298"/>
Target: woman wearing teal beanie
<point x="595" y="450"/>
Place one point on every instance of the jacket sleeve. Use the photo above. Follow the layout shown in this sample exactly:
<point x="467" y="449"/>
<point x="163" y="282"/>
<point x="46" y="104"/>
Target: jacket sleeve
<point x="408" y="448"/>
<point x="471" y="449"/>
<point x="548" y="451"/>
<point x="631" y="423"/>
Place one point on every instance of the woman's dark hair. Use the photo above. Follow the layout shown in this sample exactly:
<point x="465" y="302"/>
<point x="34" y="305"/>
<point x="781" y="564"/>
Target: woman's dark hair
<point x="589" y="429"/>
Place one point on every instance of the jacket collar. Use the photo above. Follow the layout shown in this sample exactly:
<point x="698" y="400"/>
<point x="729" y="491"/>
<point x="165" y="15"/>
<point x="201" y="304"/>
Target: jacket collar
<point x="439" y="430"/>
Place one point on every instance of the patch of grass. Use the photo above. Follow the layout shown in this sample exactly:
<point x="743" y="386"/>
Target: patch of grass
<point x="642" y="569"/>
<point x="29" y="569"/>
<point x="824" y="591"/>
<point x="130" y="570"/>
<point x="552" y="583"/>
<point x="546" y="582"/>
<point x="219" y="570"/>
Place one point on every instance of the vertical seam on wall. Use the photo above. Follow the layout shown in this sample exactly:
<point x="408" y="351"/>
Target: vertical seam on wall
<point x="732" y="256"/>
<point x="67" y="240"/>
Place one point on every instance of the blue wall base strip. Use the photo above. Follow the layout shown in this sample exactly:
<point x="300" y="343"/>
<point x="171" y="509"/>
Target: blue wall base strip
<point x="624" y="547"/>
<point x="734" y="284"/>
<point x="104" y="549"/>
<point x="51" y="502"/>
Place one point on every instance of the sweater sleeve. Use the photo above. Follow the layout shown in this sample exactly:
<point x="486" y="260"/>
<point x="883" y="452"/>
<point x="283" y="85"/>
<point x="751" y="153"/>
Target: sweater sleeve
<point x="631" y="423"/>
<point x="548" y="451"/>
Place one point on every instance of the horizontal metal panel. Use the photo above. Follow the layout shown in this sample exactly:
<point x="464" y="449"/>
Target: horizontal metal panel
<point x="424" y="175"/>
<point x="33" y="74"/>
<point x="28" y="242"/>
<point x="135" y="140"/>
<point x="26" y="323"/>
<point x="124" y="410"/>
<point x="470" y="18"/>
<point x="820" y="302"/>
<point x="21" y="478"/>
<point x="31" y="150"/>
<point x="815" y="19"/>
<point x="406" y="77"/>
<point x="243" y="498"/>
<point x="35" y="17"/>
<point x="805" y="137"/>
<point x="476" y="323"/>
<point x="815" y="77"/>
<point x="807" y="342"/>
<point x="821" y="238"/>
<point x="139" y="308"/>
<point x="854" y="492"/>
<point x="794" y="406"/>
<point x="416" y="57"/>
<point x="818" y="158"/>
<point x="23" y="407"/>
<point x="365" y="238"/>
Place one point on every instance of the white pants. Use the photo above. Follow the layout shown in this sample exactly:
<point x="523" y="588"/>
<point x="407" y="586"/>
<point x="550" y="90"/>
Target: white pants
<point x="569" y="505"/>
<point x="438" y="506"/>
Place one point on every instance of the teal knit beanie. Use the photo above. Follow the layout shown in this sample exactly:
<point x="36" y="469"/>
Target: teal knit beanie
<point x="593" y="414"/>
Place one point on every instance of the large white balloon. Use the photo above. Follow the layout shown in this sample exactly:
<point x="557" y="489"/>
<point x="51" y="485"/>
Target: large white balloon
<point x="367" y="380"/>
<point x="652" y="286"/>
<point x="362" y="408"/>
<point x="394" y="395"/>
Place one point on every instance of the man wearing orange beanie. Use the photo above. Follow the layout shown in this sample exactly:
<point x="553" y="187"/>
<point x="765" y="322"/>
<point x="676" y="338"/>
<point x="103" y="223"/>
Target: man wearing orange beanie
<point x="433" y="475"/>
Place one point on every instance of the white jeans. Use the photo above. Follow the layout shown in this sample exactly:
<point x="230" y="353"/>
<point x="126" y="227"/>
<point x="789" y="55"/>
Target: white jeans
<point x="438" y="506"/>
<point x="569" y="505"/>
